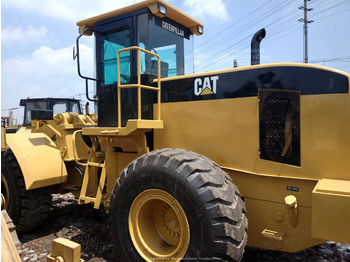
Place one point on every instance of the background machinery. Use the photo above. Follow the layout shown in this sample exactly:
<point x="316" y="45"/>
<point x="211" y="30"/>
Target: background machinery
<point x="172" y="148"/>
<point x="56" y="105"/>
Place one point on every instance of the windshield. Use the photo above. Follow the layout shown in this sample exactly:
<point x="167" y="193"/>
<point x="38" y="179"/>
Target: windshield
<point x="65" y="106"/>
<point x="170" y="40"/>
<point x="32" y="106"/>
<point x="58" y="106"/>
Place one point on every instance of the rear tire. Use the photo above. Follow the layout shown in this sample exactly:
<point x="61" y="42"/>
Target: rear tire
<point x="27" y="208"/>
<point x="202" y="201"/>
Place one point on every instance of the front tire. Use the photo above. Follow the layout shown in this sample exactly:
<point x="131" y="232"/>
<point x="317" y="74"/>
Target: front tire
<point x="173" y="204"/>
<point x="27" y="208"/>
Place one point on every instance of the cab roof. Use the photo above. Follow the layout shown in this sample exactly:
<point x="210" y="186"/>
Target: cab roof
<point x="23" y="102"/>
<point x="172" y="13"/>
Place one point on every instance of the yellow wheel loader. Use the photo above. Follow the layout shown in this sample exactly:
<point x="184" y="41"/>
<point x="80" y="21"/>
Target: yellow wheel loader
<point x="10" y="125"/>
<point x="183" y="161"/>
<point x="29" y="208"/>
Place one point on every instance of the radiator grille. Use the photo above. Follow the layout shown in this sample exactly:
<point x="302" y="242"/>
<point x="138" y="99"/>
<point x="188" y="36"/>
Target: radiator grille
<point x="280" y="126"/>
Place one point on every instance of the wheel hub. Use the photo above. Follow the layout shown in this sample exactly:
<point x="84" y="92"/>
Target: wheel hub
<point x="170" y="231"/>
<point x="158" y="226"/>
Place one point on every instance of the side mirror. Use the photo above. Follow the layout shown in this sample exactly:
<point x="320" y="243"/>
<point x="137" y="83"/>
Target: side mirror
<point x="76" y="56"/>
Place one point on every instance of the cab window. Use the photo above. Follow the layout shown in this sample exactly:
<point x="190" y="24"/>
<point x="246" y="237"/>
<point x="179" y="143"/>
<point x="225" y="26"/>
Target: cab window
<point x="112" y="43"/>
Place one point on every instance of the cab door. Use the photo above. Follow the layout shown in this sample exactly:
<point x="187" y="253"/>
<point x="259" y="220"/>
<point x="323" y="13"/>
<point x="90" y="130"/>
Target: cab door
<point x="112" y="37"/>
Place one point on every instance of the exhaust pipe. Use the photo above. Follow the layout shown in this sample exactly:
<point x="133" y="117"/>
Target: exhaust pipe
<point x="87" y="111"/>
<point x="255" y="47"/>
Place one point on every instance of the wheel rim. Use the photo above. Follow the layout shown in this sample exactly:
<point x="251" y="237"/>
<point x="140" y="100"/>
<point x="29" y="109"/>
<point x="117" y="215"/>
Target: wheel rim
<point x="5" y="193"/>
<point x="158" y="226"/>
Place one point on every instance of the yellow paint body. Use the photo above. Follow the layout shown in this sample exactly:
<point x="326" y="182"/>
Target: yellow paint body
<point x="224" y="130"/>
<point x="227" y="131"/>
<point x="39" y="158"/>
<point x="8" y="248"/>
<point x="232" y="136"/>
<point x="172" y="12"/>
<point x="331" y="202"/>
<point x="42" y="160"/>
<point x="3" y="138"/>
<point x="278" y="219"/>
<point x="65" y="250"/>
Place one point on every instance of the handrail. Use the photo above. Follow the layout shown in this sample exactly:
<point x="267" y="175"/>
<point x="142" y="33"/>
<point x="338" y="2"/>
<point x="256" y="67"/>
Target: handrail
<point x="139" y="86"/>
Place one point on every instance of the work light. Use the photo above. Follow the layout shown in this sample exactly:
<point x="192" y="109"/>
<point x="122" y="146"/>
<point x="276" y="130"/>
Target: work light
<point x="162" y="9"/>
<point x="200" y="29"/>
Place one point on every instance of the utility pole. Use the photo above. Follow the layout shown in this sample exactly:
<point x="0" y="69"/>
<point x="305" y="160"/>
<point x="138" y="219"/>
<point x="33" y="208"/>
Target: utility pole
<point x="306" y="22"/>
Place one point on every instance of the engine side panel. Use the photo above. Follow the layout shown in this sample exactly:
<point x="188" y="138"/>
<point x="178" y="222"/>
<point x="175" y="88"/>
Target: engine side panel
<point x="220" y="114"/>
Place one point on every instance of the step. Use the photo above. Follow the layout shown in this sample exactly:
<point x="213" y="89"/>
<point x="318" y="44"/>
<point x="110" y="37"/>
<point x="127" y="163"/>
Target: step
<point x="87" y="199"/>
<point x="95" y="164"/>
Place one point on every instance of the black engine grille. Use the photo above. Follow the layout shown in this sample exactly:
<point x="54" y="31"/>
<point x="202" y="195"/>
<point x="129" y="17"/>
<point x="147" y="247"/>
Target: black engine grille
<point x="280" y="126"/>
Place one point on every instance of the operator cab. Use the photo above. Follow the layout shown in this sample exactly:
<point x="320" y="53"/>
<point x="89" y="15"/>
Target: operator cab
<point x="153" y="25"/>
<point x="57" y="105"/>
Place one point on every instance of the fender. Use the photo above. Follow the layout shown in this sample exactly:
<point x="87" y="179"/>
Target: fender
<point x="330" y="210"/>
<point x="39" y="158"/>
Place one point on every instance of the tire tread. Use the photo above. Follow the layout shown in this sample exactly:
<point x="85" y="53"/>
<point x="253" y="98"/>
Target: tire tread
<point x="32" y="207"/>
<point x="222" y="199"/>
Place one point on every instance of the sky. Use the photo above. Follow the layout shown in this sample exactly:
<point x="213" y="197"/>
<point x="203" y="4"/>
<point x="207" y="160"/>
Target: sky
<point x="37" y="38"/>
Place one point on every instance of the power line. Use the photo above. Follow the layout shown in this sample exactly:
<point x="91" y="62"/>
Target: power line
<point x="233" y="33"/>
<point x="224" y="30"/>
<point x="230" y="26"/>
<point x="347" y="10"/>
<point x="344" y="58"/>
<point x="9" y="109"/>
<point x="320" y="3"/>
<point x="242" y="42"/>
<point x="279" y="28"/>
<point x="329" y="8"/>
<point x="227" y="45"/>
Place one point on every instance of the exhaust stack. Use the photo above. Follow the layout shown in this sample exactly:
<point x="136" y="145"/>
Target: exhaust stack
<point x="255" y="46"/>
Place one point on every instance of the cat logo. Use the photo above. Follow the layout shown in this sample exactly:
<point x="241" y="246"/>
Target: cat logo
<point x="207" y="86"/>
<point x="173" y="29"/>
